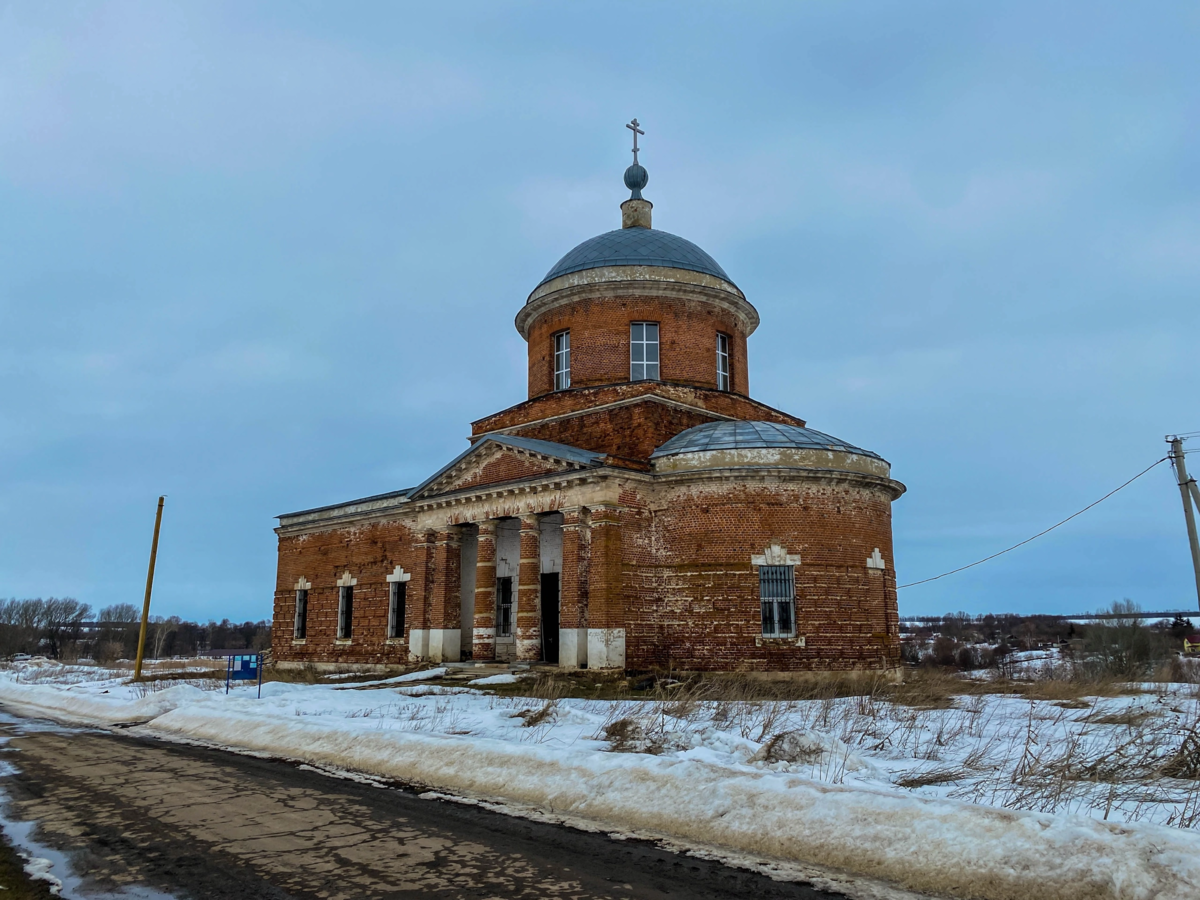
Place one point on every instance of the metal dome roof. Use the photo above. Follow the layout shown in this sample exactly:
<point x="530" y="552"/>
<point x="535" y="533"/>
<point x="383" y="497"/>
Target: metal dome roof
<point x="636" y="247"/>
<point x="753" y="435"/>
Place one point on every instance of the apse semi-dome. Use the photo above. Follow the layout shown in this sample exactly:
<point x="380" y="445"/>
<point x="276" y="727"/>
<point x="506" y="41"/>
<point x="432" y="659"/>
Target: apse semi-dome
<point x="740" y="444"/>
<point x="637" y="247"/>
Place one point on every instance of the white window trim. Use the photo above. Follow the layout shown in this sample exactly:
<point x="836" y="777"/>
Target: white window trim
<point x="562" y="373"/>
<point x="777" y="555"/>
<point x="396" y="576"/>
<point x="302" y="584"/>
<point x="724" y="374"/>
<point x="778" y="602"/>
<point x="346" y="581"/>
<point x="657" y="343"/>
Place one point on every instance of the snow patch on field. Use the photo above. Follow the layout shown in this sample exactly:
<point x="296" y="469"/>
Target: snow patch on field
<point x="806" y="784"/>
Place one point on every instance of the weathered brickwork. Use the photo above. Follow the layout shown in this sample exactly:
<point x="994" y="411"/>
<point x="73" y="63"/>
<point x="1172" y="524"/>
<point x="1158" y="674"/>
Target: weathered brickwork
<point x="600" y="342"/>
<point x="694" y="594"/>
<point x="369" y="554"/>
<point x="596" y="415"/>
<point x="507" y="467"/>
<point x="632" y="432"/>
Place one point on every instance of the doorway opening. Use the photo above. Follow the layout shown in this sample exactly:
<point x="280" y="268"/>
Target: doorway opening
<point x="550" y="617"/>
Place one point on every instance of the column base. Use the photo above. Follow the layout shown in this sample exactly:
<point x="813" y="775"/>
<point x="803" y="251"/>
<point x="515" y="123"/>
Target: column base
<point x="572" y="648"/>
<point x="418" y="643"/>
<point x="445" y="644"/>
<point x="606" y="648"/>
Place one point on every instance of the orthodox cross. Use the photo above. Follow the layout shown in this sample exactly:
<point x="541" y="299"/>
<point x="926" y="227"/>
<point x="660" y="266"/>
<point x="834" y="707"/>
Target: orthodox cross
<point x="633" y="126"/>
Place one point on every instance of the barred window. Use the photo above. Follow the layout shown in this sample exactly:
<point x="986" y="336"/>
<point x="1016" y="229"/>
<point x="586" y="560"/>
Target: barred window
<point x="562" y="360"/>
<point x="777" y="592"/>
<point x="504" y="607"/>
<point x="397" y="595"/>
<point x="724" y="382"/>
<point x="300" y="628"/>
<point x="345" y="611"/>
<point x="643" y="351"/>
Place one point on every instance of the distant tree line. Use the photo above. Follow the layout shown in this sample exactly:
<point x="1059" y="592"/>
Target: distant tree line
<point x="1125" y="645"/>
<point x="63" y="628"/>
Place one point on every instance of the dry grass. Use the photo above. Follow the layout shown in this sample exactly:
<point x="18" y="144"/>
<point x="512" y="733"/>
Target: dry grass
<point x="1130" y="718"/>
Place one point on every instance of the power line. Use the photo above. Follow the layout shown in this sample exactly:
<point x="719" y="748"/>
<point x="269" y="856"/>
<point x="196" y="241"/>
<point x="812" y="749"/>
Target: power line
<point x="1039" y="534"/>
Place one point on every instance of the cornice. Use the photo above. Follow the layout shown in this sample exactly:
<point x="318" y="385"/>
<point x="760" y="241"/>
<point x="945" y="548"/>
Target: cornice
<point x="775" y="474"/>
<point x="639" y="281"/>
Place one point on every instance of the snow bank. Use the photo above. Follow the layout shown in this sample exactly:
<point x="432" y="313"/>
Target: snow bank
<point x="709" y="795"/>
<point x="79" y="707"/>
<point x="502" y="678"/>
<point x="939" y="846"/>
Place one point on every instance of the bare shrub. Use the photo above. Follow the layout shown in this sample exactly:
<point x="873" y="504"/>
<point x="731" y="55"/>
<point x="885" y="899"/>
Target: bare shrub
<point x="626" y="736"/>
<point x="107" y="652"/>
<point x="790" y="747"/>
<point x="1185" y="761"/>
<point x="535" y="717"/>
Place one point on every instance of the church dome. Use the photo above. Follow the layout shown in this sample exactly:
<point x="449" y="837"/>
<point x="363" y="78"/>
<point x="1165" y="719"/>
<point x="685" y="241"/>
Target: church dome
<point x="636" y="247"/>
<point x="754" y="436"/>
<point x="769" y="445"/>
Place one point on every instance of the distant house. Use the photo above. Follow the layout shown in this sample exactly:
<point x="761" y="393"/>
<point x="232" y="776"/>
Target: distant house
<point x="1191" y="643"/>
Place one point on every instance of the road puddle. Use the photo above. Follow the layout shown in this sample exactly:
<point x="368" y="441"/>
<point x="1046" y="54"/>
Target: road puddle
<point x="45" y="864"/>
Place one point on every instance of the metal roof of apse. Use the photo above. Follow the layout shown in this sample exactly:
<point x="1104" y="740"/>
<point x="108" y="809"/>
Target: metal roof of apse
<point x="753" y="435"/>
<point x="637" y="247"/>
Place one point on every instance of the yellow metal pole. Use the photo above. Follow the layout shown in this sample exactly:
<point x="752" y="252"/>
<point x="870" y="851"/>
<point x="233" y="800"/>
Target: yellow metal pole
<point x="137" y="668"/>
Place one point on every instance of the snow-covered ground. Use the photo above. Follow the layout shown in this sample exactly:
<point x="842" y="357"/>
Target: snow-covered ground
<point x="994" y="796"/>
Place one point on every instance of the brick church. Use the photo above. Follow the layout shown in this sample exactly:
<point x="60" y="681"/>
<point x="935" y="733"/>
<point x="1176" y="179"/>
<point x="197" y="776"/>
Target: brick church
<point x="639" y="509"/>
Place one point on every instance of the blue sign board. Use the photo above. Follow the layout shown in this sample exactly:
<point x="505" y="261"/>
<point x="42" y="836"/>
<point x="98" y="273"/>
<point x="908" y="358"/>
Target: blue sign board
<point x="244" y="667"/>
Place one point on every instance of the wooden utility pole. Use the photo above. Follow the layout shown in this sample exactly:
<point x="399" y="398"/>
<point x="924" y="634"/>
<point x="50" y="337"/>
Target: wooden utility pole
<point x="137" y="668"/>
<point x="1190" y="493"/>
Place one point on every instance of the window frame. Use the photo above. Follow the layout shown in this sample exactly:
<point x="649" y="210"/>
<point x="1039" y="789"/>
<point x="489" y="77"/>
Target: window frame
<point x="300" y="622"/>
<point x="639" y="344"/>
<point x="724" y="362"/>
<point x="504" y="605"/>
<point x="777" y="600"/>
<point x="345" y="622"/>
<point x="397" y="602"/>
<point x="561" y="347"/>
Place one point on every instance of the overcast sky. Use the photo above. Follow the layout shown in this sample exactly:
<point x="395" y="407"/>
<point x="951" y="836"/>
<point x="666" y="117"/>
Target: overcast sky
<point x="263" y="257"/>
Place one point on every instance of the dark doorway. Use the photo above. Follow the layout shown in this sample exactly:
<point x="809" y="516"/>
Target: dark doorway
<point x="504" y="622"/>
<point x="550" y="617"/>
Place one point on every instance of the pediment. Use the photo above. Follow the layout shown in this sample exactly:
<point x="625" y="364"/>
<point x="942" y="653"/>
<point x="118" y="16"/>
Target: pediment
<point x="491" y="462"/>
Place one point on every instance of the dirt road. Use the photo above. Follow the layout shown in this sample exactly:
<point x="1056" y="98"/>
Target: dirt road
<point x="201" y="823"/>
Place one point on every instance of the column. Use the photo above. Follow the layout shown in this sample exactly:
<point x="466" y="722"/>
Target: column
<point x="485" y="593"/>
<point x="529" y="589"/>
<point x="445" y="601"/>
<point x="606" y="598"/>
<point x="573" y="593"/>
<point x="419" y="594"/>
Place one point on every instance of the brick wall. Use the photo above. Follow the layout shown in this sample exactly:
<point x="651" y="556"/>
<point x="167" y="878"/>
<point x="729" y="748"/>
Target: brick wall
<point x="581" y="400"/>
<point x="692" y="592"/>
<point x="369" y="554"/>
<point x="600" y="342"/>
